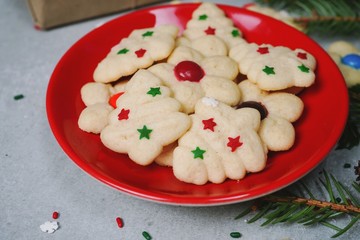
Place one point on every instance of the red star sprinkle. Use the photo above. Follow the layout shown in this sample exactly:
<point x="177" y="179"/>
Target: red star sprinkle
<point x="209" y="124"/>
<point x="210" y="31"/>
<point x="124" y="114"/>
<point x="302" y="55"/>
<point x="263" y="50"/>
<point x="140" y="53"/>
<point x="234" y="143"/>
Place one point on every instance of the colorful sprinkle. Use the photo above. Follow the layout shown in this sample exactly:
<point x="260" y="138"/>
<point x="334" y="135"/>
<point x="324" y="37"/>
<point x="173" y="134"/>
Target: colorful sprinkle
<point x="235" y="235"/>
<point x="114" y="98"/>
<point x="124" y="114"/>
<point x="55" y="215"/>
<point x="263" y="50"/>
<point x="18" y="97"/>
<point x="144" y="132"/>
<point x="347" y="165"/>
<point x="140" y="53"/>
<point x="235" y="33"/>
<point x="234" y="143"/>
<point x="119" y="222"/>
<point x="154" y="91"/>
<point x="210" y="31"/>
<point x="303" y="68"/>
<point x="123" y="51"/>
<point x="209" y="101"/>
<point x="146" y="235"/>
<point x="148" y="34"/>
<point x="302" y="55"/>
<point x="49" y="227"/>
<point x="209" y="124"/>
<point x="202" y="17"/>
<point x="269" y="70"/>
<point x="198" y="153"/>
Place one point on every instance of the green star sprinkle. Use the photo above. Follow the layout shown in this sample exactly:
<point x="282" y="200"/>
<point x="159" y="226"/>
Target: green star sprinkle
<point x="203" y="17"/>
<point x="148" y="34"/>
<point x="268" y="70"/>
<point x="123" y="51"/>
<point x="154" y="91"/>
<point x="144" y="132"/>
<point x="303" y="68"/>
<point x="198" y="153"/>
<point x="235" y="33"/>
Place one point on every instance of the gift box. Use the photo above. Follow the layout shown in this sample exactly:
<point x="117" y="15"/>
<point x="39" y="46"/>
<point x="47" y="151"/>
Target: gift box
<point x="53" y="13"/>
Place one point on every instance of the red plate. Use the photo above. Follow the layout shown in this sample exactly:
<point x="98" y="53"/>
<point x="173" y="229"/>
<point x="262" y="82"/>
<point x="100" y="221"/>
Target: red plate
<point x="326" y="109"/>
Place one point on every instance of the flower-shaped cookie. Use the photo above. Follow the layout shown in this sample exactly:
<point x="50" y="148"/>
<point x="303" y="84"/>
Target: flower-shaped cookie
<point x="278" y="110"/>
<point x="146" y="119"/>
<point x="139" y="50"/>
<point x="94" y="117"/>
<point x="221" y="143"/>
<point x="347" y="57"/>
<point x="192" y="76"/>
<point x="210" y="31"/>
<point x="274" y="68"/>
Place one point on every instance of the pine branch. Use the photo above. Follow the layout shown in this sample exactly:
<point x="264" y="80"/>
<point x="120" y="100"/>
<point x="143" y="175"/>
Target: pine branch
<point x="322" y="16"/>
<point x="316" y="203"/>
<point x="289" y="208"/>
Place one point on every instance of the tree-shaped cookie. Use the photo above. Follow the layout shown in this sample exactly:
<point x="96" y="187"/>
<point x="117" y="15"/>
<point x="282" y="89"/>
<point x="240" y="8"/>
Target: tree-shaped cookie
<point x="192" y="76"/>
<point x="278" y="109"/>
<point x="274" y="68"/>
<point x="210" y="31"/>
<point x="146" y="119"/>
<point x="221" y="143"/>
<point x="139" y="50"/>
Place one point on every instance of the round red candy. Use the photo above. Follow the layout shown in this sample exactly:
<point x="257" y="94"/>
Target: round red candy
<point x="188" y="71"/>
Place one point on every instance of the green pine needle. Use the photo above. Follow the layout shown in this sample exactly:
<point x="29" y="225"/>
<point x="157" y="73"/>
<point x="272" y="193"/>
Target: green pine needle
<point x="276" y="208"/>
<point x="322" y="16"/>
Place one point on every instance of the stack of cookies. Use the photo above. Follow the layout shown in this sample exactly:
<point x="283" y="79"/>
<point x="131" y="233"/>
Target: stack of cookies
<point x="205" y="102"/>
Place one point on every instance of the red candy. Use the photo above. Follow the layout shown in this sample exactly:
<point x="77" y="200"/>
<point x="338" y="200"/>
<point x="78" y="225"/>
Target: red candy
<point x="188" y="71"/>
<point x="113" y="99"/>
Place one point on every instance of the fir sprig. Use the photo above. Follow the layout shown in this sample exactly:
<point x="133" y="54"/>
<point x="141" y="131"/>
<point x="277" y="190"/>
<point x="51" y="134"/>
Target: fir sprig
<point x="306" y="210"/>
<point x="322" y="16"/>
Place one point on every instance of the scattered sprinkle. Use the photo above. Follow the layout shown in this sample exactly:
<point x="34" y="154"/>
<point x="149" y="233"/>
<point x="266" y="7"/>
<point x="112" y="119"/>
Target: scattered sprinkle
<point x="119" y="222"/>
<point x="49" y="227"/>
<point x="347" y="165"/>
<point x="55" y="215"/>
<point x="146" y="235"/>
<point x="235" y="235"/>
<point x="18" y="97"/>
